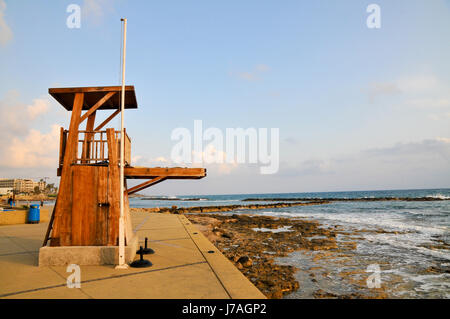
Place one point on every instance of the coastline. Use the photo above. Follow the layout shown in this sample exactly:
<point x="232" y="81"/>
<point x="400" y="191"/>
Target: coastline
<point x="309" y="256"/>
<point x="257" y="244"/>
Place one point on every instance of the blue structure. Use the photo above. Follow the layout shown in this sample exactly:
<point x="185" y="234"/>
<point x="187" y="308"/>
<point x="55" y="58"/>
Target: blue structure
<point x="34" y="215"/>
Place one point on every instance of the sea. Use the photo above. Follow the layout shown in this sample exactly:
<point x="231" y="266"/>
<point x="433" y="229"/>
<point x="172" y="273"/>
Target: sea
<point x="411" y="256"/>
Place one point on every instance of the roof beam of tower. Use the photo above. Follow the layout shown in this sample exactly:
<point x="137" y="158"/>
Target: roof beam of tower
<point x="98" y="128"/>
<point x="97" y="105"/>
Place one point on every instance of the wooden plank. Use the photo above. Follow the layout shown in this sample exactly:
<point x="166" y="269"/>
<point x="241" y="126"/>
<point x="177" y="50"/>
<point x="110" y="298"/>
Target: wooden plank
<point x="88" y="89"/>
<point x="97" y="105"/>
<point x="84" y="200"/>
<point x="112" y="147"/>
<point x="61" y="145"/>
<point x="102" y="207"/>
<point x="61" y="235"/>
<point x="49" y="227"/>
<point x="147" y="184"/>
<point x="114" y="187"/>
<point x="127" y="147"/>
<point x="128" y="224"/>
<point x="98" y="128"/>
<point x="170" y="173"/>
<point x="65" y="97"/>
<point x="86" y="154"/>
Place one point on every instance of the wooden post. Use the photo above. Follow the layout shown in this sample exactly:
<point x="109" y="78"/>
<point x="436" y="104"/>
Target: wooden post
<point x="63" y="212"/>
<point x="113" y="185"/>
<point x="86" y="155"/>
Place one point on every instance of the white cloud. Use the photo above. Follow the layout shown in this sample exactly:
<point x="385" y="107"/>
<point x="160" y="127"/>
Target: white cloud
<point x="254" y="75"/>
<point x="15" y="116"/>
<point x="95" y="10"/>
<point x="406" y="85"/>
<point x="416" y="91"/>
<point x="139" y="160"/>
<point x="379" y="89"/>
<point x="417" y="83"/>
<point x="5" y="31"/>
<point x="309" y="167"/>
<point x="429" y="102"/>
<point x="35" y="150"/>
<point x="291" y="140"/>
<point x="22" y="146"/>
<point x="39" y="106"/>
<point x="425" y="148"/>
<point x="445" y="140"/>
<point x="208" y="156"/>
<point x="136" y="158"/>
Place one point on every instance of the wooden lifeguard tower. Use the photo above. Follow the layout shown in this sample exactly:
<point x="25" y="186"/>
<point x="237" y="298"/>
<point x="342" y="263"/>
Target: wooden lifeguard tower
<point x="87" y="209"/>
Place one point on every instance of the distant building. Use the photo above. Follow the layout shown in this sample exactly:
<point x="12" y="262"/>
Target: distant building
<point x="20" y="185"/>
<point x="6" y="190"/>
<point x="7" y="183"/>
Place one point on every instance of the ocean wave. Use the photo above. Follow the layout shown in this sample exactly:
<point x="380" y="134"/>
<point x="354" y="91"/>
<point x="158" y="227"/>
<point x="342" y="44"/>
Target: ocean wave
<point x="365" y="220"/>
<point x="409" y="243"/>
<point x="439" y="195"/>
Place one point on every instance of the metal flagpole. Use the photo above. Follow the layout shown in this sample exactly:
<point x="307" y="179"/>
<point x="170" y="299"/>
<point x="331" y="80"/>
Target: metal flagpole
<point x="122" y="264"/>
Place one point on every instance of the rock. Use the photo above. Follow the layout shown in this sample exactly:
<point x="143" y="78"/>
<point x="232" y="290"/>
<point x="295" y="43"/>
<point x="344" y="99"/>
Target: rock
<point x="235" y="258"/>
<point x="245" y="261"/>
<point x="276" y="295"/>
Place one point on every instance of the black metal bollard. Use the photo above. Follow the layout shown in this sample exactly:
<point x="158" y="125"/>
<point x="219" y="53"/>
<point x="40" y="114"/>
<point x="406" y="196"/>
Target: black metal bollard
<point x="148" y="251"/>
<point x="141" y="263"/>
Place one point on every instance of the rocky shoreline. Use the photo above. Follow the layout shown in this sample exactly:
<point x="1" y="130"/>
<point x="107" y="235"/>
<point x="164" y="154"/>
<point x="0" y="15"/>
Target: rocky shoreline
<point x="225" y="208"/>
<point x="360" y="199"/>
<point x="328" y="257"/>
<point x="253" y="243"/>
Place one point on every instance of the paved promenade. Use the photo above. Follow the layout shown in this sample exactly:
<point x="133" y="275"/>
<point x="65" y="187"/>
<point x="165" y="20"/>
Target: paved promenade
<point x="185" y="266"/>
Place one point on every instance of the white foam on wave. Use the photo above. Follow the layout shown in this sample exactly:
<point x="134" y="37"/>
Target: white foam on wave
<point x="408" y="242"/>
<point x="386" y="220"/>
<point x="275" y="230"/>
<point x="439" y="196"/>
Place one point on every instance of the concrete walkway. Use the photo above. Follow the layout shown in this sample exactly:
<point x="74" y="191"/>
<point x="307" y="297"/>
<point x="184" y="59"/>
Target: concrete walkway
<point x="185" y="266"/>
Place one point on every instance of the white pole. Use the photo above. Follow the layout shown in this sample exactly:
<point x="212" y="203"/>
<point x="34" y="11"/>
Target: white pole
<point x="122" y="264"/>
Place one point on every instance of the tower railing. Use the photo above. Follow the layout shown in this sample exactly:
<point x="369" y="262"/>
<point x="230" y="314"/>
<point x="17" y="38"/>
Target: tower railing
<point x="92" y="147"/>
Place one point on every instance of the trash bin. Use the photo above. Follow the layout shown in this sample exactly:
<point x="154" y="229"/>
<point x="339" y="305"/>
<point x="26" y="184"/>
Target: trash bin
<point x="34" y="215"/>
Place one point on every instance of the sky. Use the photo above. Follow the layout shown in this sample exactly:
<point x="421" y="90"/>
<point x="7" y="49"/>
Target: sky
<point x="356" y="108"/>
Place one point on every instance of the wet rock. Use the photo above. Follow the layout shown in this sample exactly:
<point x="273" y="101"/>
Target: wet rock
<point x="245" y="261"/>
<point x="320" y="294"/>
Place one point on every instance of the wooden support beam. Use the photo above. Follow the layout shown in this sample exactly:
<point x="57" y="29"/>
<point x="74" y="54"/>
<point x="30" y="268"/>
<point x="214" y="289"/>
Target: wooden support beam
<point x="113" y="185"/>
<point x="86" y="152"/>
<point x="170" y="173"/>
<point x="63" y="218"/>
<point x="49" y="227"/>
<point x="98" y="128"/>
<point x="97" y="105"/>
<point x="61" y="146"/>
<point x="112" y="147"/>
<point x="146" y="184"/>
